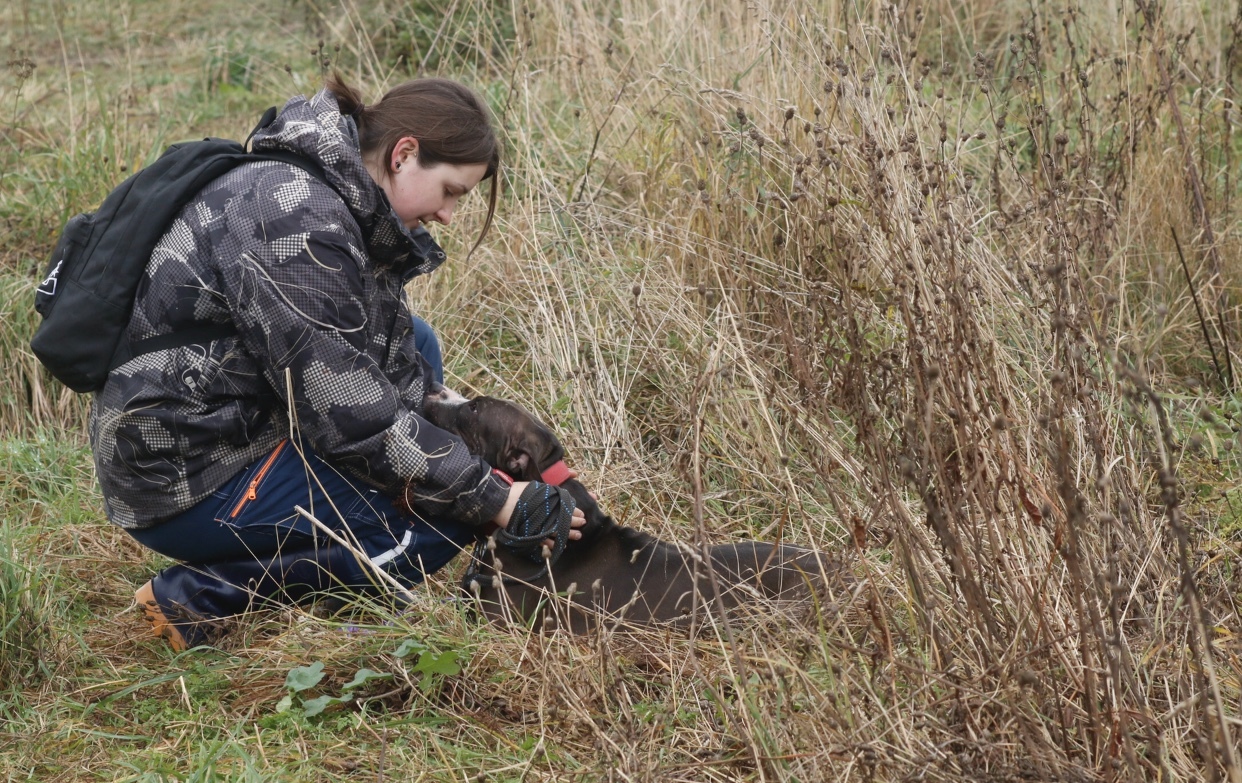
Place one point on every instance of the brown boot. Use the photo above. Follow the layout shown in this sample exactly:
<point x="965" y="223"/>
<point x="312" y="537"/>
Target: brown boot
<point x="151" y="612"/>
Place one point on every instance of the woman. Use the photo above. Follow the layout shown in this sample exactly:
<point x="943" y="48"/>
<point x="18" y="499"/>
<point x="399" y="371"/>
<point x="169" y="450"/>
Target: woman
<point x="204" y="451"/>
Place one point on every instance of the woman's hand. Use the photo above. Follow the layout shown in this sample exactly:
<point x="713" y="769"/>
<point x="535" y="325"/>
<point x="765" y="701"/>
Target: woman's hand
<point x="506" y="512"/>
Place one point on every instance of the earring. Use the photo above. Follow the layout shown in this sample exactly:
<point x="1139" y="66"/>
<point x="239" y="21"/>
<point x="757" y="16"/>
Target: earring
<point x="398" y="167"/>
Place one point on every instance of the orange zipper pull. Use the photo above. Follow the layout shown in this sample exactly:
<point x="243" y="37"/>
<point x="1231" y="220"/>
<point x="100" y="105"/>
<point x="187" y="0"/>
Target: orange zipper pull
<point x="252" y="492"/>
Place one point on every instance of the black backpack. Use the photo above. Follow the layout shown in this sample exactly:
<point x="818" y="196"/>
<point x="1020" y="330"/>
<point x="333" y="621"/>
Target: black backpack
<point x="87" y="296"/>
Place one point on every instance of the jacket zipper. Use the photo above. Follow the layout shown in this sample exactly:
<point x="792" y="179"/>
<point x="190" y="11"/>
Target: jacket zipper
<point x="252" y="492"/>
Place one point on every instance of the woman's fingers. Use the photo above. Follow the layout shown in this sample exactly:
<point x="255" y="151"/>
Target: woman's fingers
<point x="578" y="521"/>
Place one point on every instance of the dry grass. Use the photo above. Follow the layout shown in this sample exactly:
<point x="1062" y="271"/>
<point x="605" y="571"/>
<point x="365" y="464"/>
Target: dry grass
<point x="898" y="284"/>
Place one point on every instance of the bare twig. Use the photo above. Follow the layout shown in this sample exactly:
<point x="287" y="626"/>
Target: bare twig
<point x="1194" y="179"/>
<point x="1190" y="283"/>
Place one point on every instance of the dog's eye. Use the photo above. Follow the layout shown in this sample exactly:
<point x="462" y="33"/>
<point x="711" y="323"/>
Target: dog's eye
<point x="473" y="406"/>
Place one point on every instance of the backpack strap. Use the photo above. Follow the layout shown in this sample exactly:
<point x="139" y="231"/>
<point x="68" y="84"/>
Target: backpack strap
<point x="182" y="337"/>
<point x="285" y="156"/>
<point x="293" y="159"/>
<point x="268" y="117"/>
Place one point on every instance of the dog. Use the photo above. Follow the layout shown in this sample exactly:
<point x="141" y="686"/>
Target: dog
<point x="613" y="571"/>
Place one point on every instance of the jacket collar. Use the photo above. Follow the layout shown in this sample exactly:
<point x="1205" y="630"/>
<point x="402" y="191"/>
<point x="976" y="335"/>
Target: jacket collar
<point x="315" y="128"/>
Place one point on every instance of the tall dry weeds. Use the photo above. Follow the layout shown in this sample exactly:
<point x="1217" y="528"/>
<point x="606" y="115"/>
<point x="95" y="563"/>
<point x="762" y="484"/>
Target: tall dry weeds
<point x="880" y="295"/>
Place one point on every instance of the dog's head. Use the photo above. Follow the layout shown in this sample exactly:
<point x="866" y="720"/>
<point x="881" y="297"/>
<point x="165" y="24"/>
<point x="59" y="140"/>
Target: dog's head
<point x="504" y="434"/>
<point x="508" y="437"/>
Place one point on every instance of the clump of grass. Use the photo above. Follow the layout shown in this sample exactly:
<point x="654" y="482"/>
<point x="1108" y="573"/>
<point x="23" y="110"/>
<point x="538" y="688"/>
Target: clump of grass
<point x="23" y="632"/>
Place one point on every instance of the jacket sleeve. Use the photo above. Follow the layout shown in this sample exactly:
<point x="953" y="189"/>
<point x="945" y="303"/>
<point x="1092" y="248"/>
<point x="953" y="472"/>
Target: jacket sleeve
<point x="305" y="302"/>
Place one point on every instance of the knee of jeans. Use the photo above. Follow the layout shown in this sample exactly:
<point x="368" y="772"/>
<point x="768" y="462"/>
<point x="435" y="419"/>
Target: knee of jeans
<point x="428" y="345"/>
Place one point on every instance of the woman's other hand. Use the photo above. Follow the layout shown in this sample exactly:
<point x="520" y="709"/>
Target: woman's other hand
<point x="506" y="512"/>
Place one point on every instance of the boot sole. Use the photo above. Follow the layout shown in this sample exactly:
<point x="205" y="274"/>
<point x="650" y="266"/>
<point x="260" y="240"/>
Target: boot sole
<point x="151" y="612"/>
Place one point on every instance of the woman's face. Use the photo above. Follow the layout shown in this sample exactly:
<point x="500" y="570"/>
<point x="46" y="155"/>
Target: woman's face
<point x="423" y="195"/>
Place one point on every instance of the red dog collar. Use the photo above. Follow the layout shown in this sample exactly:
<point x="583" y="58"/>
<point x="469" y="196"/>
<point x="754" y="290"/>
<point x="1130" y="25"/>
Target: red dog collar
<point x="557" y="474"/>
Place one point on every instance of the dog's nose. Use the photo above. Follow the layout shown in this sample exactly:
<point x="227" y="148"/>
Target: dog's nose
<point x="439" y="394"/>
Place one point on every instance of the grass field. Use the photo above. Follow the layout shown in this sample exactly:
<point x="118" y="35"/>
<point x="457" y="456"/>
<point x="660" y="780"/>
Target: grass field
<point x="948" y="289"/>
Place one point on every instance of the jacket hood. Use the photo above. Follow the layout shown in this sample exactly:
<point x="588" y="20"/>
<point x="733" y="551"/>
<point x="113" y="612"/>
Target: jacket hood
<point x="315" y="128"/>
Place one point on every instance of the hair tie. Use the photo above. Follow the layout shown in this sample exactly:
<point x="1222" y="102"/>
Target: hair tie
<point x="357" y="112"/>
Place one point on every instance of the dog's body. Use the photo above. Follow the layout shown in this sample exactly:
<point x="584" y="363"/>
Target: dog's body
<point x="613" y="571"/>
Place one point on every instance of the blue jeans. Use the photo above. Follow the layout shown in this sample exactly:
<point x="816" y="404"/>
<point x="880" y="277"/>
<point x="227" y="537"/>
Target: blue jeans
<point x="428" y="345"/>
<point x="237" y="524"/>
<point x="244" y="524"/>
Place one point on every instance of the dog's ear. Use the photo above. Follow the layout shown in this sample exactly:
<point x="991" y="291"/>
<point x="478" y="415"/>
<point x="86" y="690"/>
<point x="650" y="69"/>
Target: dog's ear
<point x="518" y="459"/>
<point x="517" y="463"/>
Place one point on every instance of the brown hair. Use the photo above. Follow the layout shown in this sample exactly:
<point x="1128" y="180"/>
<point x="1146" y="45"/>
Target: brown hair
<point x="449" y="120"/>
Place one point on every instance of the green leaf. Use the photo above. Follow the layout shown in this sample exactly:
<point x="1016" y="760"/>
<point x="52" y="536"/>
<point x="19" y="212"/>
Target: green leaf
<point x="313" y="707"/>
<point x="284" y="704"/>
<point x="446" y="663"/>
<point x="410" y="646"/>
<point x="363" y="677"/>
<point x="304" y="677"/>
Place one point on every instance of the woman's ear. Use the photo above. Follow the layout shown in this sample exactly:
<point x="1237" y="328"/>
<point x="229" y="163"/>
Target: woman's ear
<point x="404" y="153"/>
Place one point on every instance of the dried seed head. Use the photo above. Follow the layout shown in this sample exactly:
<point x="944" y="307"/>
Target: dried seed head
<point x="22" y="67"/>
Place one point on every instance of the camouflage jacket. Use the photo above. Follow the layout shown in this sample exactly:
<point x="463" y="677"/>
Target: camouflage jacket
<point x="312" y="278"/>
